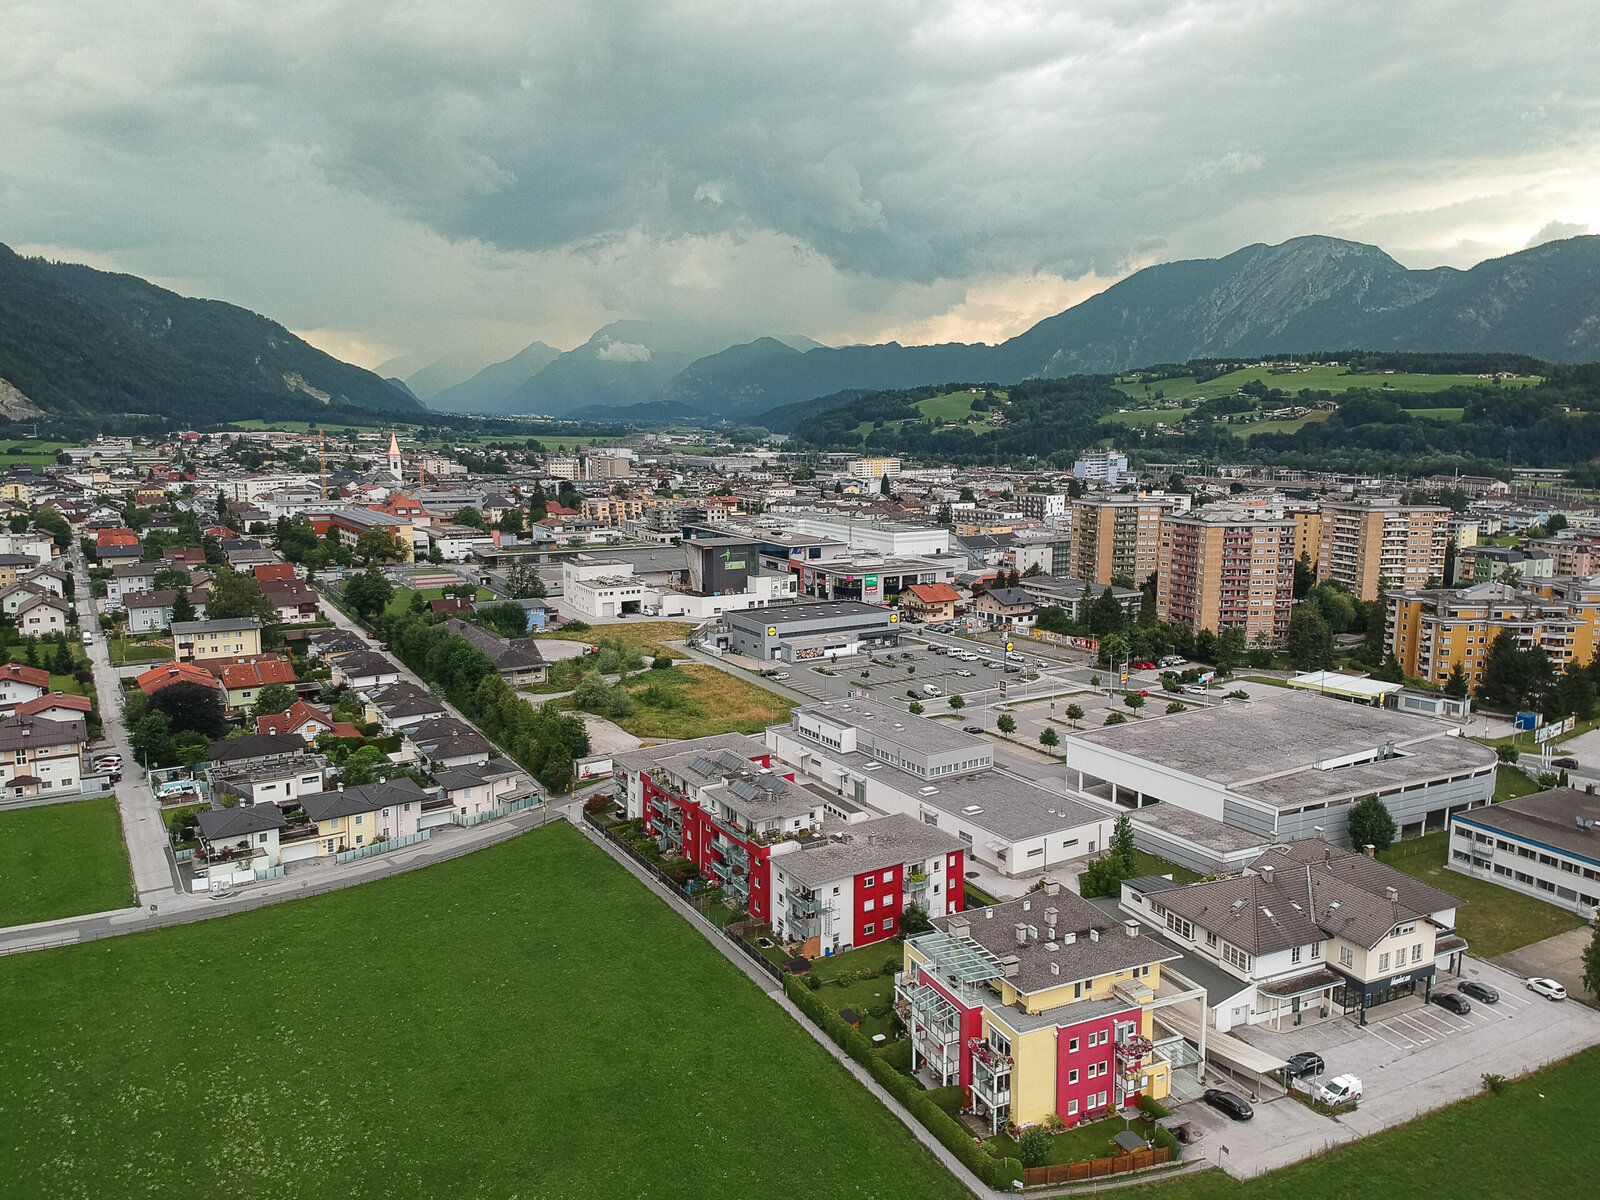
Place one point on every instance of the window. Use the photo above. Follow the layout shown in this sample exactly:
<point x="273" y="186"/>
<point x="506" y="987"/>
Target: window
<point x="1347" y="957"/>
<point x="868" y="929"/>
<point x="1383" y="961"/>
<point x="869" y="881"/>
<point x="1072" y="1046"/>
<point x="1211" y="940"/>
<point x="360" y="819"/>
<point x="888" y="924"/>
<point x="1179" y="926"/>
<point x="1072" y="1108"/>
<point x="1072" y="1076"/>
<point x="1416" y="953"/>
<point x="868" y="905"/>
<point x="1294" y="954"/>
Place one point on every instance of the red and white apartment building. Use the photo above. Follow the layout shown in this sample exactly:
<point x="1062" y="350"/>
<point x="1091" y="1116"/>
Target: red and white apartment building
<point x="819" y="868"/>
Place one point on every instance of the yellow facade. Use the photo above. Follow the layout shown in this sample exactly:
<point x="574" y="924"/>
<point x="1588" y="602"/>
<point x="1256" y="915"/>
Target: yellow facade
<point x="1430" y="632"/>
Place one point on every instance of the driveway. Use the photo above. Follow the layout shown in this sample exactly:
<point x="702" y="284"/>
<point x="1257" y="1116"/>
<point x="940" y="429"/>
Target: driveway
<point x="1559" y="958"/>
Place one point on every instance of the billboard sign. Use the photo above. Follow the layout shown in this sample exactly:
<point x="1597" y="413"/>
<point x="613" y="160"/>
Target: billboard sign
<point x="1554" y="729"/>
<point x="871" y="581"/>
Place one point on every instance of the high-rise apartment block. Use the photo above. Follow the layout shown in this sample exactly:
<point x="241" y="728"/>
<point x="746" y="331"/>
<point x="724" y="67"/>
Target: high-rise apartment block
<point x="1222" y="567"/>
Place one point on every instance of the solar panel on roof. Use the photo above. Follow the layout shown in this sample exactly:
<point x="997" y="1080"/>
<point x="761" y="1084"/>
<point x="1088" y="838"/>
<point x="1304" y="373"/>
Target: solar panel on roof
<point x="744" y="789"/>
<point x="703" y="766"/>
<point x="732" y="761"/>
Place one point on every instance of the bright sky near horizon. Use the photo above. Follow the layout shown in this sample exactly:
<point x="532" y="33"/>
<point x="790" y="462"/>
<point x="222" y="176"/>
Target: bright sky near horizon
<point x="418" y="178"/>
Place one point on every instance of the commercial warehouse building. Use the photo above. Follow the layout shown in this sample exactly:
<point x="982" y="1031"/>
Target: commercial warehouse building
<point x="808" y="632"/>
<point x="1286" y="765"/>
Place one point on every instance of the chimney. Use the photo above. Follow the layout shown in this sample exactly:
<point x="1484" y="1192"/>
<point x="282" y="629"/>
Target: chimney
<point x="1094" y="935"/>
<point x="1131" y="928"/>
<point x="1392" y="896"/>
<point x="1022" y="934"/>
<point x="1027" y="904"/>
<point x="1322" y="834"/>
<point x="1370" y="850"/>
<point x="1069" y="939"/>
<point x="1051" y="887"/>
<point x="1266" y="874"/>
<point x="1010" y="965"/>
<point x="959" y="926"/>
<point x="1050" y="915"/>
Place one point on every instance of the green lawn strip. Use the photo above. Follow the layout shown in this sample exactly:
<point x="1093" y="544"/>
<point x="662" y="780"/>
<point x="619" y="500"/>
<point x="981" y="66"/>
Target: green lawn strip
<point x="1509" y="783"/>
<point x="1150" y="864"/>
<point x="1487" y="1140"/>
<point x="60" y="860"/>
<point x="467" y="1029"/>
<point x="1081" y="1143"/>
<point x="1524" y="741"/>
<point x="1494" y="919"/>
<point x="138" y="652"/>
<point x="401" y="600"/>
<point x="1266" y="679"/>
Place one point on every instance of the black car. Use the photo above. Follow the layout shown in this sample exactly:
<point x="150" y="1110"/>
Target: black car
<point x="972" y="729"/>
<point x="1451" y="1002"/>
<point x="1480" y="991"/>
<point x="1226" y="1102"/>
<point x="1302" y="1065"/>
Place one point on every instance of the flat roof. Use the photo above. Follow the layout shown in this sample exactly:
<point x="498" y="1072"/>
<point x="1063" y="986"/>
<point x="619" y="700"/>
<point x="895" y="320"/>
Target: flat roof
<point x="1344" y="685"/>
<point x="895" y="724"/>
<point x="1285" y="749"/>
<point x="1551" y="818"/>
<point x="789" y="614"/>
<point x="1189" y="826"/>
<point x="863" y="846"/>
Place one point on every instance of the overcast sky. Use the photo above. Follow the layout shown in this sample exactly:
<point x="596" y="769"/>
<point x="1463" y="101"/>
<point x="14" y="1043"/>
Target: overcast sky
<point x="390" y="177"/>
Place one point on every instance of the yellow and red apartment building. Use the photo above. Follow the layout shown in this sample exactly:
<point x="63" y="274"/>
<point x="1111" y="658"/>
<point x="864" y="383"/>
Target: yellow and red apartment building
<point x="1037" y="1007"/>
<point x="819" y="868"/>
<point x="1431" y="630"/>
<point x="1226" y="567"/>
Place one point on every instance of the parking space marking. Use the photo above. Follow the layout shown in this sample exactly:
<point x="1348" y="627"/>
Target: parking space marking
<point x="1397" y="1045"/>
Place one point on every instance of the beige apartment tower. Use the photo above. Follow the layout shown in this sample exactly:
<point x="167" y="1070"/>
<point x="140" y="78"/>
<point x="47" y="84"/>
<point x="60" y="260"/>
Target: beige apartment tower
<point x="1223" y="568"/>
<point x="1365" y="545"/>
<point x="1115" y="535"/>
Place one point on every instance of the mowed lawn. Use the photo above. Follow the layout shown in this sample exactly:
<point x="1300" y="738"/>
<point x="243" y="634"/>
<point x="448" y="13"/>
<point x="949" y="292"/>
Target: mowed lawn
<point x="400" y="602"/>
<point x="525" y="1021"/>
<point x="1522" y="1143"/>
<point x="61" y="860"/>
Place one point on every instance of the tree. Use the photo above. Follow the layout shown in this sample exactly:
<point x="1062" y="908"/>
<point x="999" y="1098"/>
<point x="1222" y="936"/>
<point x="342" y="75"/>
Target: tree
<point x="958" y="701"/>
<point x="469" y="517"/>
<point x="523" y="582"/>
<point x="1371" y="823"/>
<point x="1176" y="706"/>
<point x="1305" y="575"/>
<point x="1456" y="685"/>
<point x="508" y="618"/>
<point x="362" y="766"/>
<point x="1121" y="847"/>
<point x="968" y="496"/>
<point x="1149" y="613"/>
<point x="1390" y="670"/>
<point x="513" y="520"/>
<point x="273" y="699"/>
<point x="1514" y="678"/>
<point x="1591" y="963"/>
<point x="63" y="661"/>
<point x="1134" y="701"/>
<point x="368" y="593"/>
<point x="191" y="706"/>
<point x="379" y="545"/>
<point x="1310" y="641"/>
<point x="1507" y="754"/>
<point x="914" y="920"/>
<point x="1049" y="737"/>
<point x="150" y="737"/>
<point x="236" y="595"/>
<point x="1074" y="714"/>
<point x="1230" y="650"/>
<point x="1033" y="1147"/>
<point x="1555" y="524"/>
<point x="183" y="608"/>
<point x="1104" y="615"/>
<point x="170" y="579"/>
<point x="1006" y="723"/>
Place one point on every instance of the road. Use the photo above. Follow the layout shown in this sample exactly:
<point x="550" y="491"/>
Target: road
<point x="144" y="832"/>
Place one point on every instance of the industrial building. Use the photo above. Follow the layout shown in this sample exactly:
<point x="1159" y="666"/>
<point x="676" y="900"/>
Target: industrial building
<point x="808" y="632"/>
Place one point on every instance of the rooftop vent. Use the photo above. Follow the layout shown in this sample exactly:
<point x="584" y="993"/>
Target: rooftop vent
<point x="1094" y="935"/>
<point x="1131" y="928"/>
<point x="1055" y="967"/>
<point x="1391" y="895"/>
<point x="1321" y="833"/>
<point x="1022" y="934"/>
<point x="959" y="926"/>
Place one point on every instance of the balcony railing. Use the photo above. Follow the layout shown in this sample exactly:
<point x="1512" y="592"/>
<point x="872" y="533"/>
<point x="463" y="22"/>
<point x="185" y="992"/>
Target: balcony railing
<point x="806" y="906"/>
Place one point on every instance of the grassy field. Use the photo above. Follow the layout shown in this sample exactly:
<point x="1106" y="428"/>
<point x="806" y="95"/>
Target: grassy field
<point x="1509" y="783"/>
<point x="1503" y="1145"/>
<point x="61" y="860"/>
<point x="647" y="637"/>
<point x="1493" y="919"/>
<point x="1289" y="426"/>
<point x="700" y="700"/>
<point x="402" y="598"/>
<point x="1078" y="1144"/>
<point x="953" y="406"/>
<point x="1150" y="864"/>
<point x="540" y="1053"/>
<point x="1318" y="379"/>
<point x="1147" y="416"/>
<point x="27" y="452"/>
<point x="1437" y="414"/>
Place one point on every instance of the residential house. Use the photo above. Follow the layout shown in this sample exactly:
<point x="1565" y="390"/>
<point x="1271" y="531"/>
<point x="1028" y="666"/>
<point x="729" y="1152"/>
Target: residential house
<point x="40" y="757"/>
<point x="296" y="603"/>
<point x="244" y="838"/>
<point x="349" y="818"/>
<point x="57" y="706"/>
<point x="447" y="742"/>
<point x="244" y="680"/>
<point x="130" y="577"/>
<point x="1308" y="931"/>
<point x="1038" y="1008"/>
<point x="20" y="593"/>
<point x="400" y="705"/>
<point x="478" y="788"/>
<point x="307" y="722"/>
<point x="43" y="616"/>
<point x="20" y="683"/>
<point x="195" y="641"/>
<point x="363" y="669"/>
<point x="453" y="606"/>
<point x="1005" y="607"/>
<point x="329" y="644"/>
<point x="930" y="601"/>
<point x="517" y="659"/>
<point x="151" y="612"/>
<point x="257" y="748"/>
<point x="164" y="674"/>
<point x="272" y="781"/>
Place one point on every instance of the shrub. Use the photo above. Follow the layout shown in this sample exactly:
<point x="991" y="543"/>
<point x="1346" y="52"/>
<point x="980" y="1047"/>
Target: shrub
<point x="1176" y="706"/>
<point x="1116" y="718"/>
<point x="1494" y="1084"/>
<point x="661" y="662"/>
<point x="949" y="1099"/>
<point x="1034" y="1147"/>
<point x="1162" y="1136"/>
<point x="1153" y="1107"/>
<point x="916" y="709"/>
<point x="1507" y="754"/>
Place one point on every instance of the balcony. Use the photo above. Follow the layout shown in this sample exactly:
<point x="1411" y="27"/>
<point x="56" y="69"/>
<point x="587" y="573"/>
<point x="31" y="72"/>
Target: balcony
<point x="803" y="903"/>
<point x="916" y="883"/>
<point x="991" y="1082"/>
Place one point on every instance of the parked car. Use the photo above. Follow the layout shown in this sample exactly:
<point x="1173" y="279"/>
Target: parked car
<point x="964" y="674"/>
<point x="1305" y="1063"/>
<point x="1233" y="1106"/>
<point x="1194" y="689"/>
<point x="991" y="664"/>
<point x="932" y="689"/>
<point x="972" y="729"/>
<point x="1451" y="1002"/>
<point x="1144" y="666"/>
<point x="1039" y="662"/>
<point x="1479" y="991"/>
<point x="1171" y="660"/>
<point x="88" y="638"/>
<point x="108" y="762"/>
<point x="1013" y="656"/>
<point x="1013" y="669"/>
<point x="776" y="675"/>
<point x="1341" y="1089"/>
<point x="1566" y="764"/>
<point x="1548" y="988"/>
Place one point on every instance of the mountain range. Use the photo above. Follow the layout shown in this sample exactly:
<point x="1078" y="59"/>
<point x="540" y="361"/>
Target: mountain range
<point x="79" y="342"/>
<point x="1307" y="294"/>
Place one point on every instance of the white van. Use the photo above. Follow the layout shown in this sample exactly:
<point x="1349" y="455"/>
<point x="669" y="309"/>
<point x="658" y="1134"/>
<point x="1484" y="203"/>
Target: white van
<point x="88" y="638"/>
<point x="931" y="689"/>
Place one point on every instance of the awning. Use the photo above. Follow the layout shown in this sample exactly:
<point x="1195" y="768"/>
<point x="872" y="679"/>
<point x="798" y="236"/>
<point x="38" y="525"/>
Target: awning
<point x="1301" y="985"/>
<point x="1222" y="1047"/>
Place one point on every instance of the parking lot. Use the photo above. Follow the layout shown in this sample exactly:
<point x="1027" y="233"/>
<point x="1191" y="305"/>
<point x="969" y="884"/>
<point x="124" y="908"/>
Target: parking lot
<point x="1411" y="1058"/>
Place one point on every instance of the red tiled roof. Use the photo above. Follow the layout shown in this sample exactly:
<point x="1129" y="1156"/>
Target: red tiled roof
<point x="23" y="674"/>
<point x="934" y="593"/>
<point x="116" y="537"/>
<point x="255" y="674"/>
<point x="266" y="571"/>
<point x="158" y="677"/>
<point x="54" y="700"/>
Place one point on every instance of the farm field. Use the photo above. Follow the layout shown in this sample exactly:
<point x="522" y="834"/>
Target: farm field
<point x="1329" y="379"/>
<point x="952" y="406"/>
<point x="509" y="1043"/>
<point x="30" y="453"/>
<point x="1245" y="431"/>
<point x="60" y="860"/>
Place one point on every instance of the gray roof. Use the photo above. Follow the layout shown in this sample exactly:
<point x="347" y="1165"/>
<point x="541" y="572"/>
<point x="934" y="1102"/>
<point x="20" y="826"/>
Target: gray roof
<point x="368" y="797"/>
<point x="473" y="774"/>
<point x="257" y="745"/>
<point x="1196" y="968"/>
<point x="240" y="821"/>
<point x="1099" y="943"/>
<point x="521" y="654"/>
<point x="711" y="745"/>
<point x="223" y="625"/>
<point x="22" y="731"/>
<point x="134" y="570"/>
<point x="1268" y="749"/>
<point x="790" y="614"/>
<point x="1011" y="597"/>
<point x="891" y="723"/>
<point x="366" y="662"/>
<point x="1208" y="832"/>
<point x="1550" y="818"/>
<point x="863" y="846"/>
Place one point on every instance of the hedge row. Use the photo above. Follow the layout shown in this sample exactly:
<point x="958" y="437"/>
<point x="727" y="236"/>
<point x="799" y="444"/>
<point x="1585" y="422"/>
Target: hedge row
<point x="926" y="1107"/>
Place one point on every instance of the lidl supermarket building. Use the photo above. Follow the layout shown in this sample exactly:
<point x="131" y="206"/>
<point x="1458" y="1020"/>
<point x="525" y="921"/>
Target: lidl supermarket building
<point x="802" y="632"/>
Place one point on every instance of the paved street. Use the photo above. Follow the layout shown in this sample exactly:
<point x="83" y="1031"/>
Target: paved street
<point x="1559" y="958"/>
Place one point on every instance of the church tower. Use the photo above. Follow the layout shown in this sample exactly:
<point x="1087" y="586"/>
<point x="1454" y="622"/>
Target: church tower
<point x="395" y="466"/>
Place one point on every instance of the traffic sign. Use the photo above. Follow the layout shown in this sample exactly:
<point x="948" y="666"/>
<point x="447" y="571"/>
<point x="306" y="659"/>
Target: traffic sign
<point x="1010" y="647"/>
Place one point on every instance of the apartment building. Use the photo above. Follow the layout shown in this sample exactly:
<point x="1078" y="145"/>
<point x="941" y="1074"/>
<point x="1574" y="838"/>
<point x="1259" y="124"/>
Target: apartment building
<point x="1116" y="535"/>
<point x="1042" y="506"/>
<point x="852" y="886"/>
<point x="1309" y="931"/>
<point x="40" y="757"/>
<point x="194" y="641"/>
<point x="1223" y="567"/>
<point x="1370" y="545"/>
<point x="1041" y="1006"/>
<point x="613" y="510"/>
<point x="1544" y="845"/>
<point x="1430" y="631"/>
<point x="874" y="468"/>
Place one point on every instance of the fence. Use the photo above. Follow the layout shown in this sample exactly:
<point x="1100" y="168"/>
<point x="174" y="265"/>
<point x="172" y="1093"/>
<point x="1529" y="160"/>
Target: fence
<point x="494" y="814"/>
<point x="264" y="873"/>
<point x="1098" y="1168"/>
<point x="183" y="855"/>
<point x="383" y="847"/>
<point x="754" y="955"/>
